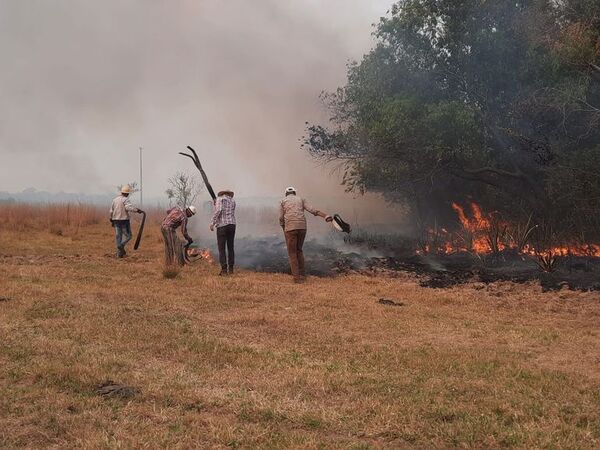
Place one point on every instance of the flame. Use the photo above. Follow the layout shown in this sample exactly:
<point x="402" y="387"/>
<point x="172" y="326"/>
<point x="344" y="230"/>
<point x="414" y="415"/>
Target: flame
<point x="483" y="233"/>
<point x="477" y="227"/>
<point x="205" y="254"/>
<point x="201" y="254"/>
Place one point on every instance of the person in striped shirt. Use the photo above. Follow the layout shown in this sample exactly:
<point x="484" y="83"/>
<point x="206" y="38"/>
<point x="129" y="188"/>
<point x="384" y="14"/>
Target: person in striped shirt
<point x="224" y="221"/>
<point x="176" y="217"/>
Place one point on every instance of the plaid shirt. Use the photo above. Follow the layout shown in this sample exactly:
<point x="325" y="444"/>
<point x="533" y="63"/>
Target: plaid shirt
<point x="175" y="217"/>
<point x="224" y="211"/>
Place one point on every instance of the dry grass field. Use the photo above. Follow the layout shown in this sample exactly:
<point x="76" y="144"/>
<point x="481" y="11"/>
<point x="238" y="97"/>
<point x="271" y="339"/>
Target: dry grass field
<point x="255" y="361"/>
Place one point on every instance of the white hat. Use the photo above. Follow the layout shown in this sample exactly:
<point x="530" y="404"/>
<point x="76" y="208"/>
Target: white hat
<point x="192" y="209"/>
<point x="290" y="190"/>
<point x="125" y="189"/>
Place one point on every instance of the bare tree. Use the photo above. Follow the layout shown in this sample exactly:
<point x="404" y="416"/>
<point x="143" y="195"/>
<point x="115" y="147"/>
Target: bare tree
<point x="133" y="186"/>
<point x="183" y="190"/>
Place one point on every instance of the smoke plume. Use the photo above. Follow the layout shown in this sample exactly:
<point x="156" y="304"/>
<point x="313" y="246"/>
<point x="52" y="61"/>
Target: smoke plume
<point x="85" y="83"/>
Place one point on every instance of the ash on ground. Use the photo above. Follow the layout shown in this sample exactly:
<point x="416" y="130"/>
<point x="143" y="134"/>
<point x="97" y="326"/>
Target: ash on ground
<point x="330" y="255"/>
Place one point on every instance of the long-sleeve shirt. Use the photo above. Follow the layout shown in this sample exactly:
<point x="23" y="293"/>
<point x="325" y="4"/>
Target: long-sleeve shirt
<point x="224" y="212"/>
<point x="121" y="207"/>
<point x="291" y="213"/>
<point x="177" y="217"/>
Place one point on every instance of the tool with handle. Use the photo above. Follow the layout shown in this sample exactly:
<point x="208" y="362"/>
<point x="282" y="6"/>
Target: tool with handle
<point x="340" y="225"/>
<point x="138" y="239"/>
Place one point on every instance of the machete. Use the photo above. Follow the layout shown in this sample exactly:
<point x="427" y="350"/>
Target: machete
<point x="138" y="239"/>
<point x="202" y="173"/>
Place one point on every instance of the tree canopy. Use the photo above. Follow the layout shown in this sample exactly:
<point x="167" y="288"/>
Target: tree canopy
<point x="497" y="101"/>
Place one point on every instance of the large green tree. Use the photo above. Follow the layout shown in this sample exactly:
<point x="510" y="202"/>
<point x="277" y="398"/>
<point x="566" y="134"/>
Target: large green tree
<point x="493" y="100"/>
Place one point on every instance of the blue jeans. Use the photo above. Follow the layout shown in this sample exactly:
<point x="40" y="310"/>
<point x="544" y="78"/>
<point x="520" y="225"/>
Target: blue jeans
<point x="122" y="232"/>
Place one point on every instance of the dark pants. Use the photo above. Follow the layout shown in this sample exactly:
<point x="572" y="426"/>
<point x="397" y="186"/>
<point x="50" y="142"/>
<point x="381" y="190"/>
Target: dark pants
<point x="122" y="233"/>
<point x="225" y="238"/>
<point x="295" y="240"/>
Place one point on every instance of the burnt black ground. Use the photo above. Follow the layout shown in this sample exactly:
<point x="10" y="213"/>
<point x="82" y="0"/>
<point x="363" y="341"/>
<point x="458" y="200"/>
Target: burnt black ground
<point x="329" y="257"/>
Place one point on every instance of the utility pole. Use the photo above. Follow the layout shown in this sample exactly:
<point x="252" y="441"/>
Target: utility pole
<point x="141" y="180"/>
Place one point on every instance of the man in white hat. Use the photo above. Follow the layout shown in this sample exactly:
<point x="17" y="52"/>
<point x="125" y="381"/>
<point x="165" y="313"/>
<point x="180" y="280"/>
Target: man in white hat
<point x="176" y="217"/>
<point x="293" y="222"/>
<point x="120" y="220"/>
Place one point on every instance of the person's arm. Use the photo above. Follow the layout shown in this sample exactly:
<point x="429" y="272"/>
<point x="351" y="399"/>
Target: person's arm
<point x="129" y="207"/>
<point x="184" y="231"/>
<point x="111" y="211"/>
<point x="316" y="212"/>
<point x="281" y="215"/>
<point x="218" y="212"/>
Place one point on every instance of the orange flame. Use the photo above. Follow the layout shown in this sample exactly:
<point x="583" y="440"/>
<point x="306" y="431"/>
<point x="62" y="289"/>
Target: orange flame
<point x="201" y="254"/>
<point x="478" y="236"/>
<point x="205" y="254"/>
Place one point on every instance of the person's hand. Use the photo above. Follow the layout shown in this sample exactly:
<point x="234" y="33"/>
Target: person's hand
<point x="112" y="224"/>
<point x="212" y="227"/>
<point x="328" y="219"/>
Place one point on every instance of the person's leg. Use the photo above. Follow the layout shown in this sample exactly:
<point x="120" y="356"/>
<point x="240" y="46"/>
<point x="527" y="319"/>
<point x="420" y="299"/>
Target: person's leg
<point x="230" y="247"/>
<point x="221" y="242"/>
<point x="179" y="248"/>
<point x="291" y="239"/>
<point x="300" y="252"/>
<point x="168" y="239"/>
<point x="118" y="236"/>
<point x="126" y="233"/>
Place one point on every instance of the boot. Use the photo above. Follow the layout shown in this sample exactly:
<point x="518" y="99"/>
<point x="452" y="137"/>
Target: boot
<point x="230" y="270"/>
<point x="223" y="272"/>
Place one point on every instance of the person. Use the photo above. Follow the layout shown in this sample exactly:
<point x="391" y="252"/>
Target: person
<point x="224" y="221"/>
<point x="293" y="222"/>
<point x="120" y="219"/>
<point x="176" y="217"/>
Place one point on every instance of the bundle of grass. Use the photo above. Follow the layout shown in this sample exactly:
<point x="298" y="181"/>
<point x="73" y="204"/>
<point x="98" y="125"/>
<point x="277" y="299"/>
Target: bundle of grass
<point x="171" y="272"/>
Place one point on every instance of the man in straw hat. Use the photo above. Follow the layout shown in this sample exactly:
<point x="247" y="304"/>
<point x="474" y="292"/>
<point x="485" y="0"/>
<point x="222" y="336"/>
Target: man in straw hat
<point x="224" y="221"/>
<point x="293" y="222"/>
<point x="176" y="217"/>
<point x="120" y="220"/>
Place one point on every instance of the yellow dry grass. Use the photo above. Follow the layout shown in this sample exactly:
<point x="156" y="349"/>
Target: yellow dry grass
<point x="255" y="361"/>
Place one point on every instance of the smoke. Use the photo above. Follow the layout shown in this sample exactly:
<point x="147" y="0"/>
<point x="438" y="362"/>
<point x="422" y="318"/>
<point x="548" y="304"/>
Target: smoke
<point x="85" y="83"/>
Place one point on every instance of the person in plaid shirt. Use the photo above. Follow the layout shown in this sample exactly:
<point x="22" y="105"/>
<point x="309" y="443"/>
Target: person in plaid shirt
<point x="224" y="221"/>
<point x="176" y="217"/>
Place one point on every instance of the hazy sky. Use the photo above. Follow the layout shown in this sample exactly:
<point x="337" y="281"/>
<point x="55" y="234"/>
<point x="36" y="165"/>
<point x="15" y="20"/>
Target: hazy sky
<point x="84" y="83"/>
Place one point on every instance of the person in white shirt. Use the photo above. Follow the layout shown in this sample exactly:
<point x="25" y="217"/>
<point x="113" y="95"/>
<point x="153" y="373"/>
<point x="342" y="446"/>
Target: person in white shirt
<point x="120" y="220"/>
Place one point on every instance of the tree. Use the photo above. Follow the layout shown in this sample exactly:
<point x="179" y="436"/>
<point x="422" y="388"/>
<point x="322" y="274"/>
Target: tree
<point x="183" y="190"/>
<point x="133" y="186"/>
<point x="492" y="100"/>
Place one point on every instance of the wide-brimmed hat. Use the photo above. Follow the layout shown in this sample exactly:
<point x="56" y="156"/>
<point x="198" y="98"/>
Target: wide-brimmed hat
<point x="225" y="192"/>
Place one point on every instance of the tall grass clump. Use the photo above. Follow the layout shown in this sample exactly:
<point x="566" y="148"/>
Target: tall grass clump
<point x="58" y="218"/>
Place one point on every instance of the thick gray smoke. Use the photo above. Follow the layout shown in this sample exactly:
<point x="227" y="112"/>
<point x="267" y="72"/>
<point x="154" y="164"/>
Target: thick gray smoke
<point x="84" y="83"/>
